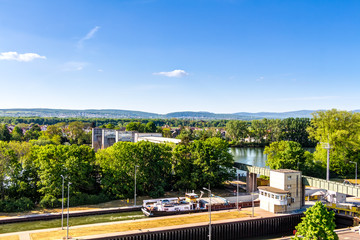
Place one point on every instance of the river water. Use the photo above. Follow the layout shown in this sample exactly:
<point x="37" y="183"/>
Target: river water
<point x="250" y="156"/>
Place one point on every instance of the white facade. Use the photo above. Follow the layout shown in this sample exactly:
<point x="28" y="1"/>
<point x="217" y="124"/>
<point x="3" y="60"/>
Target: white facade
<point x="284" y="193"/>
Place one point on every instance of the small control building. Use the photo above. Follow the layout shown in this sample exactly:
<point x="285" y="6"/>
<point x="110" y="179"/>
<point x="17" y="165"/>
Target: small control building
<point x="284" y="193"/>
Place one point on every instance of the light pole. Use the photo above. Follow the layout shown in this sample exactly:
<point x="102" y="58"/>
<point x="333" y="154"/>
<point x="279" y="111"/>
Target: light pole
<point x="327" y="146"/>
<point x="62" y="203"/>
<point x="68" y="203"/>
<point x="355" y="172"/>
<point x="135" y="187"/>
<point x="237" y="189"/>
<point x="209" y="211"/>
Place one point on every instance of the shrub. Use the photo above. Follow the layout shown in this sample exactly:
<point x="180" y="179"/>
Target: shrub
<point x="49" y="201"/>
<point x="16" y="205"/>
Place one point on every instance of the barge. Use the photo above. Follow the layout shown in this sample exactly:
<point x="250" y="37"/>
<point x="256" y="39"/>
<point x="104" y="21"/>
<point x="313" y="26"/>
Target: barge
<point x="191" y="203"/>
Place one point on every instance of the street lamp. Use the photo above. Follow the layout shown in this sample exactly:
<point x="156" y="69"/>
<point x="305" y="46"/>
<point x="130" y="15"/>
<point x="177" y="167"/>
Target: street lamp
<point x="355" y="172"/>
<point x="252" y="195"/>
<point x="68" y="203"/>
<point x="209" y="211"/>
<point x="136" y="166"/>
<point x="327" y="146"/>
<point x="62" y="203"/>
<point x="237" y="189"/>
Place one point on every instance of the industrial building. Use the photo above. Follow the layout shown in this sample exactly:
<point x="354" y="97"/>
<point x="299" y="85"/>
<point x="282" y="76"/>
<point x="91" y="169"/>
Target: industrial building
<point x="284" y="193"/>
<point x="103" y="137"/>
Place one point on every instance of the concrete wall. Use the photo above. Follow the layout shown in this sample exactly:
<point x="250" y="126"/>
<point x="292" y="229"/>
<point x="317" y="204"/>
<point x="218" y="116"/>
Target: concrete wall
<point x="289" y="180"/>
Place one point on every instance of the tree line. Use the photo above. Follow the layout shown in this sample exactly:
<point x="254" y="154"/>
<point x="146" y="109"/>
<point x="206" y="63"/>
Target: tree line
<point x="339" y="129"/>
<point x="265" y="131"/>
<point x="117" y="123"/>
<point x="31" y="174"/>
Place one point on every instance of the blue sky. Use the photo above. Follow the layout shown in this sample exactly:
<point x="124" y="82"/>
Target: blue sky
<point x="160" y="56"/>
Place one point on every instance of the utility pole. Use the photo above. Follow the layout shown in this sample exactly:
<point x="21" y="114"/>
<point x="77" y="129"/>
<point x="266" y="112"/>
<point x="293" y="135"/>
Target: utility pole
<point x="327" y="146"/>
<point x="252" y="195"/>
<point x="62" y="203"/>
<point x="209" y="211"/>
<point x="135" y="186"/>
<point x="237" y="190"/>
<point x="68" y="203"/>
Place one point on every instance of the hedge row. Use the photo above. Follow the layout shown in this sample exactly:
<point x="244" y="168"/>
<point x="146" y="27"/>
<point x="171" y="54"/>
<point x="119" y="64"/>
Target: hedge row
<point x="16" y="205"/>
<point x="49" y="201"/>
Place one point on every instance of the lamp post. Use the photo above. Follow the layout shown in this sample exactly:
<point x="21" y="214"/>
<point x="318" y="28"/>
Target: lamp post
<point x="62" y="203"/>
<point x="327" y="146"/>
<point x="136" y="166"/>
<point x="68" y="203"/>
<point x="237" y="189"/>
<point x="355" y="172"/>
<point x="209" y="211"/>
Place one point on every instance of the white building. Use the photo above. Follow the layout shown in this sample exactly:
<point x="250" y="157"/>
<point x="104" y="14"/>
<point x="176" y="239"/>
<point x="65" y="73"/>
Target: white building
<point x="284" y="193"/>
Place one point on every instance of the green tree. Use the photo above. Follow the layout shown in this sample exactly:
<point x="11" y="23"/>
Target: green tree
<point x="183" y="164"/>
<point x="150" y="127"/>
<point x="17" y="134"/>
<point x="166" y="132"/>
<point x="133" y="126"/>
<point x="7" y="156"/>
<point x="318" y="223"/>
<point x="341" y="129"/>
<point x="77" y="133"/>
<point x="200" y="163"/>
<point x="285" y="155"/>
<point x="236" y="130"/>
<point x="33" y="133"/>
<point x="77" y="163"/>
<point x="4" y="133"/>
<point x="258" y="130"/>
<point x="117" y="164"/>
<point x="295" y="129"/>
<point x="22" y="175"/>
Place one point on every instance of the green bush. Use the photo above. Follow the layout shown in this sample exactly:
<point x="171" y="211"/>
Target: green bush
<point x="16" y="205"/>
<point x="85" y="199"/>
<point x="49" y="201"/>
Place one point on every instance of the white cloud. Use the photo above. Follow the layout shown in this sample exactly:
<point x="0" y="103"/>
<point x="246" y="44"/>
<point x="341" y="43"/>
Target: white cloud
<point x="176" y="73"/>
<point x="88" y="36"/>
<point x="25" y="57"/>
<point x="74" y="66"/>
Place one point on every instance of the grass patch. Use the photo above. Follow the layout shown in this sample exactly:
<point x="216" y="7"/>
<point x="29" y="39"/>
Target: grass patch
<point x="73" y="221"/>
<point x="112" y="204"/>
<point x="136" y="225"/>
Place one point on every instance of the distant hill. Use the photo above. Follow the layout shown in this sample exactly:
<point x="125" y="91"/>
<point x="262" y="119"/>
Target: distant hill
<point x="293" y="114"/>
<point x="114" y="113"/>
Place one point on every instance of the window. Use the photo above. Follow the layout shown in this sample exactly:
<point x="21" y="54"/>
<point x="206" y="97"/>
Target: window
<point x="289" y="186"/>
<point x="289" y="177"/>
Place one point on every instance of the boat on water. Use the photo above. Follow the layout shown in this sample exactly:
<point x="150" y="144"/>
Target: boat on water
<point x="191" y="203"/>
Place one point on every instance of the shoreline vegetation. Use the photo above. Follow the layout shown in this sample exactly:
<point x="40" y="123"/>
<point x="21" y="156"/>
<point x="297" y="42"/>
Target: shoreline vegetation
<point x="33" y="157"/>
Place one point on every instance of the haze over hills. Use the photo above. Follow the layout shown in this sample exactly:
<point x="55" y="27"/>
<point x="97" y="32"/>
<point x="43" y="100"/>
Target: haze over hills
<point x="114" y="113"/>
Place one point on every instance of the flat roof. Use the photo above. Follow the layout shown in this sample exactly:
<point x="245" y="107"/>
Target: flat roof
<point x="286" y="171"/>
<point x="159" y="139"/>
<point x="273" y="190"/>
